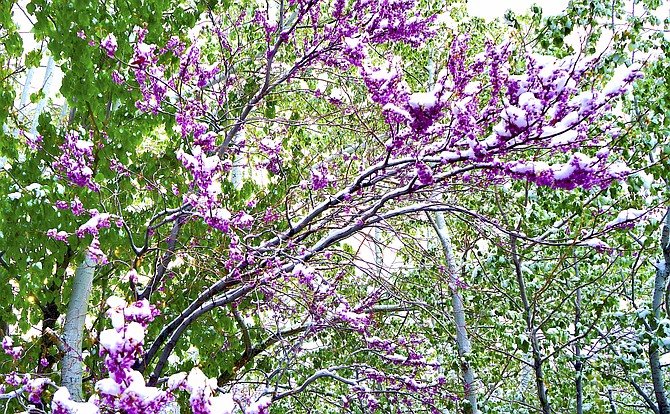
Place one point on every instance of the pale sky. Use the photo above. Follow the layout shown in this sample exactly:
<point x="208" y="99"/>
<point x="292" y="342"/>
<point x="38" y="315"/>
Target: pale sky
<point x="490" y="9"/>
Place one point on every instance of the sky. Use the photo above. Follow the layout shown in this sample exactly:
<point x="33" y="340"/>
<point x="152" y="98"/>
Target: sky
<point x="490" y="9"/>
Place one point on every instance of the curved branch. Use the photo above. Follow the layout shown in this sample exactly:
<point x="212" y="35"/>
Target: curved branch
<point x="221" y="300"/>
<point x="324" y="373"/>
<point x="159" y="273"/>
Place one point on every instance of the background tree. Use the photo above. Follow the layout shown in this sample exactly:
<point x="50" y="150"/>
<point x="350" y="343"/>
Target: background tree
<point x="228" y="166"/>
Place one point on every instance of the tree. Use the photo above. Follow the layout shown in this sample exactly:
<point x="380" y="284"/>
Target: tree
<point x="224" y="166"/>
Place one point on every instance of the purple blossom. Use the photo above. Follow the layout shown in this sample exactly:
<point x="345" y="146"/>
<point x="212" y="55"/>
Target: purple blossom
<point x="76" y="207"/>
<point x="117" y="78"/>
<point x="109" y="45"/>
<point x="58" y="235"/>
<point x="97" y="255"/>
<point x="11" y="350"/>
<point x="321" y="177"/>
<point x="76" y="160"/>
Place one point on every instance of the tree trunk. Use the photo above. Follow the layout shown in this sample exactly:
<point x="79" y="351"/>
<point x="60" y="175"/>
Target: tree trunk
<point x="462" y="339"/>
<point x="579" y="365"/>
<point x="71" y="370"/>
<point x="531" y="331"/>
<point x="657" y="301"/>
<point x="46" y="88"/>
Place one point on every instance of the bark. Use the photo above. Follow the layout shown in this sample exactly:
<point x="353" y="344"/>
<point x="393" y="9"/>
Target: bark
<point x="531" y="331"/>
<point x="660" y="282"/>
<point x="170" y="408"/>
<point x="162" y="265"/>
<point x="611" y="399"/>
<point x="71" y="370"/>
<point x="46" y="88"/>
<point x="462" y="339"/>
<point x="579" y="366"/>
<point x="237" y="172"/>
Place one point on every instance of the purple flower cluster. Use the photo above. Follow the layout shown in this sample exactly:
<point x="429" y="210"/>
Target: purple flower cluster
<point x="321" y="177"/>
<point x="109" y="45"/>
<point x="272" y="150"/>
<point x="58" y="235"/>
<point x="121" y="346"/>
<point x="546" y="107"/>
<point x="75" y="161"/>
<point x="94" y="224"/>
<point x="9" y="348"/>
<point x="202" y="392"/>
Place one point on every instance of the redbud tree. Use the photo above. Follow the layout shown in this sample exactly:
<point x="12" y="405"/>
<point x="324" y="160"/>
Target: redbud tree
<point x="221" y="172"/>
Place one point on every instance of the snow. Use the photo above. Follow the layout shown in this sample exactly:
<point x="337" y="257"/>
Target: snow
<point x="139" y="390"/>
<point x="115" y="312"/>
<point x="626" y="216"/>
<point x="61" y="399"/>
<point x="140" y="310"/>
<point x="563" y="171"/>
<point x="223" y="404"/>
<point x="603" y="153"/>
<point x="594" y="242"/>
<point x="134" y="333"/>
<point x="381" y="74"/>
<point x="492" y="141"/>
<point x="501" y="129"/>
<point x="220" y="214"/>
<point x="176" y="380"/>
<point x="132" y="275"/>
<point x="570" y="120"/>
<point x="92" y="225"/>
<point x="585" y="100"/>
<point x="422" y="100"/>
<point x="115" y="302"/>
<point x="210" y="164"/>
<point x="472" y="88"/>
<point x="394" y="108"/>
<point x="530" y="103"/>
<point x="621" y="79"/>
<point x="337" y="94"/>
<point x="529" y="167"/>
<point x="84" y="145"/>
<point x="108" y="386"/>
<point x="259" y="407"/>
<point x="111" y="340"/>
<point x="564" y="138"/>
<point x="584" y="161"/>
<point x="619" y="168"/>
<point x="351" y="42"/>
<point x="196" y="380"/>
<point x="643" y="313"/>
<point x="34" y="187"/>
<point x="397" y="358"/>
<point x="144" y="48"/>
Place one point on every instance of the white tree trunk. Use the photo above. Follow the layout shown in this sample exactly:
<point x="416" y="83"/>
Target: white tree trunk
<point x="660" y="284"/>
<point x="46" y="88"/>
<point x="458" y="308"/>
<point x="71" y="365"/>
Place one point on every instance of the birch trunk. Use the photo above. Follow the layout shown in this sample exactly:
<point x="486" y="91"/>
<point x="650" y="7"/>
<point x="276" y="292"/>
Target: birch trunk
<point x="660" y="283"/>
<point x="458" y="308"/>
<point x="71" y="370"/>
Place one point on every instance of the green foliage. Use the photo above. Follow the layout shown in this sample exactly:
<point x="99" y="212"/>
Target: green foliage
<point x="498" y="228"/>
